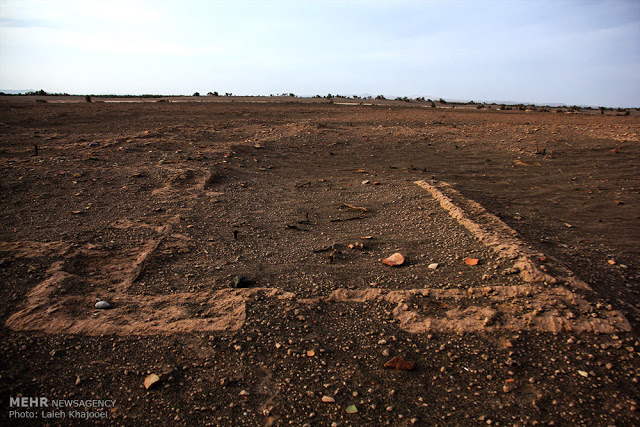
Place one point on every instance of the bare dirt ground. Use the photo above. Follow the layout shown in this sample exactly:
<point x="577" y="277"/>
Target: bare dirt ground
<point x="240" y="245"/>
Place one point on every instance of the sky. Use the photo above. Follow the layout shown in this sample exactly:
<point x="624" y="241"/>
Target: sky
<point x="583" y="52"/>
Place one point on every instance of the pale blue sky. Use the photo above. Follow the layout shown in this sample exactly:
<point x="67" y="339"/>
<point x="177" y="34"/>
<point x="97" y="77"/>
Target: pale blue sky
<point x="572" y="52"/>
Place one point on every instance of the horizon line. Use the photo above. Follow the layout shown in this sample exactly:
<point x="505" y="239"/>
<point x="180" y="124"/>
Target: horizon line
<point x="30" y="92"/>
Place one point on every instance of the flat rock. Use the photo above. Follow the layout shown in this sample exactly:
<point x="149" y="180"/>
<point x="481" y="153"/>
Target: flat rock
<point x="399" y="363"/>
<point x="394" y="260"/>
<point x="151" y="381"/>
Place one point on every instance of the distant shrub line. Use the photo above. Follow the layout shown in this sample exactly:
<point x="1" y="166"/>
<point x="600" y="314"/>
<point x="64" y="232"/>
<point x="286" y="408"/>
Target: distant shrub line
<point x="330" y="97"/>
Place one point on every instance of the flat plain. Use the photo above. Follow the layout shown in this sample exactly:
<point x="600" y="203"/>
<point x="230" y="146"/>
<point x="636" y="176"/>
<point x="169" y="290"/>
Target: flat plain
<point x="240" y="244"/>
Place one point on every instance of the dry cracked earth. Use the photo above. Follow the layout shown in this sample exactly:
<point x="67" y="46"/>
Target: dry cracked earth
<point x="241" y="246"/>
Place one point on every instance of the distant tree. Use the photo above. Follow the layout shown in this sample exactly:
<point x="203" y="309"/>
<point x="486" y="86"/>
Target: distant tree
<point x="292" y="95"/>
<point x="602" y="110"/>
<point x="228" y="94"/>
<point x="442" y="101"/>
<point x="380" y="97"/>
<point x="212" y="94"/>
<point x="87" y="98"/>
<point x="196" y="94"/>
<point x="433" y="104"/>
<point x="329" y="96"/>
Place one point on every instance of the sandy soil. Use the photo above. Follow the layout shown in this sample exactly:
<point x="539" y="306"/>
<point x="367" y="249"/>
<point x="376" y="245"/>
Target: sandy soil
<point x="241" y="247"/>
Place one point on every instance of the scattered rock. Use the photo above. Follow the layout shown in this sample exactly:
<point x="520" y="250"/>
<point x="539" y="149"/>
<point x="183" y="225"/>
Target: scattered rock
<point x="433" y="265"/>
<point x="244" y="393"/>
<point x="471" y="261"/>
<point x="103" y="305"/>
<point x="365" y="182"/>
<point x="151" y="381"/>
<point x="351" y="409"/>
<point x="394" y="260"/>
<point x="510" y="270"/>
<point x="584" y="374"/>
<point x="328" y="399"/>
<point x="242" y="282"/>
<point x="399" y="363"/>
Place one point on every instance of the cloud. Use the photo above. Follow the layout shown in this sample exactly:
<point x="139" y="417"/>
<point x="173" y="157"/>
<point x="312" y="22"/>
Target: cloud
<point x="21" y="23"/>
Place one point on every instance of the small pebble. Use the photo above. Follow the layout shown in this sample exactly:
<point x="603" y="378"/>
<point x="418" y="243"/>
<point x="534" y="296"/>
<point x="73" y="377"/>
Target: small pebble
<point x="103" y="305"/>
